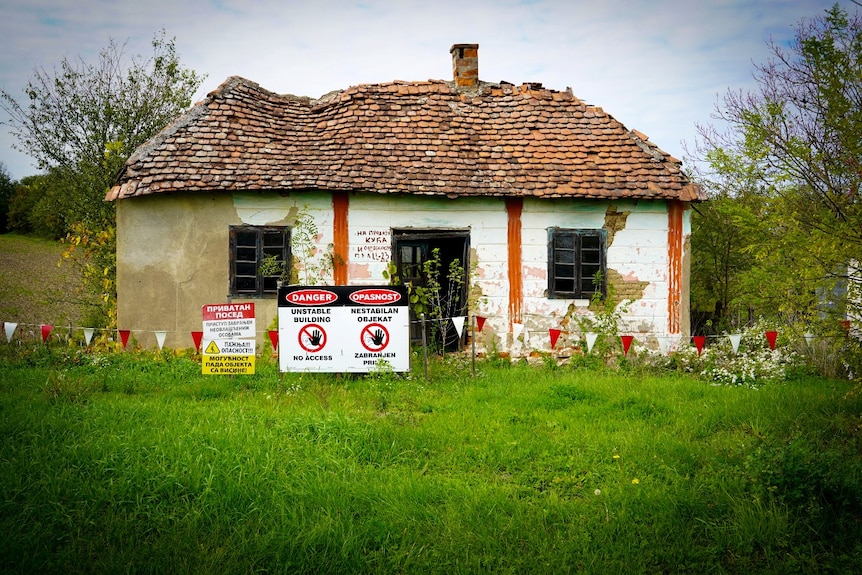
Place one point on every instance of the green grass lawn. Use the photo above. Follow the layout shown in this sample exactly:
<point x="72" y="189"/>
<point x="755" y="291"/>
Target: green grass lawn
<point x="121" y="463"/>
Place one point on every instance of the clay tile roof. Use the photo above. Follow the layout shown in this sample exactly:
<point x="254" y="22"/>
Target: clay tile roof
<point x="404" y="137"/>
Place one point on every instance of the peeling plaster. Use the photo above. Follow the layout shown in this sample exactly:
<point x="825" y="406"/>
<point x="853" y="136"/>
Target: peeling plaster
<point x="536" y="272"/>
<point x="359" y="271"/>
<point x="262" y="210"/>
<point x="614" y="222"/>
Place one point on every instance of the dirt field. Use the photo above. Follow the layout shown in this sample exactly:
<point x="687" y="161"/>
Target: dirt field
<point x="33" y="288"/>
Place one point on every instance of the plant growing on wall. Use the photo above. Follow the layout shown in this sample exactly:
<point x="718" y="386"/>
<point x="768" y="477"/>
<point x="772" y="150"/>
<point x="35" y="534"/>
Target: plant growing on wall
<point x="308" y="266"/>
<point x="605" y="319"/>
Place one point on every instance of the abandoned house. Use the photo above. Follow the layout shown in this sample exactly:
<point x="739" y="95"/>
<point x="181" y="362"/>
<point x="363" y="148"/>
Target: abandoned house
<point x="549" y="208"/>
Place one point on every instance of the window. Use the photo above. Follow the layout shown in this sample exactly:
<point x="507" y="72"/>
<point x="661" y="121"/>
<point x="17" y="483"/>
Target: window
<point x="575" y="259"/>
<point x="249" y="245"/>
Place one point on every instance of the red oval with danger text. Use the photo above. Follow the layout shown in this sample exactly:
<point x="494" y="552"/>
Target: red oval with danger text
<point x="311" y="297"/>
<point x="375" y="296"/>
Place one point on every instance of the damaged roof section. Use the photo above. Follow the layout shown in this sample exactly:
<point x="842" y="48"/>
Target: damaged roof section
<point x="434" y="138"/>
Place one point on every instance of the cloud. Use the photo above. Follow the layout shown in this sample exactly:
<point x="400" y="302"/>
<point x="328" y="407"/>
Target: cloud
<point x="657" y="66"/>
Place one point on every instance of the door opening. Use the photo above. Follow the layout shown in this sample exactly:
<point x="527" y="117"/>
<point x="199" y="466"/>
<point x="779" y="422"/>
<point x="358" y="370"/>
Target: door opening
<point x="436" y="261"/>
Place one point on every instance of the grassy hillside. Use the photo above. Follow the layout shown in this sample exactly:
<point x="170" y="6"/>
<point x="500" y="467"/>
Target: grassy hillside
<point x="34" y="289"/>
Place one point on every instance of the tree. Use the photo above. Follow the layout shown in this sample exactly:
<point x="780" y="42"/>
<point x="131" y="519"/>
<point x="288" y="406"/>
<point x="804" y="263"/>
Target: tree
<point x="7" y="190"/>
<point x="80" y="121"/>
<point x="797" y="136"/>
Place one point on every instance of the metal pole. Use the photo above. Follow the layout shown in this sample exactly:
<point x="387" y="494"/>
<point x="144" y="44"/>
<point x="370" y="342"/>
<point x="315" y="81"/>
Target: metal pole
<point x="424" y="347"/>
<point x="473" y="342"/>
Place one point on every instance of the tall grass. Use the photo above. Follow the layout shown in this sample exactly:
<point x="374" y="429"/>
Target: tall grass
<point x="124" y="463"/>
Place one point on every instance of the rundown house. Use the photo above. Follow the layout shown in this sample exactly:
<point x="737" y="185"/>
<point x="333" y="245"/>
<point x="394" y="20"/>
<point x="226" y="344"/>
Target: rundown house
<point x="545" y="201"/>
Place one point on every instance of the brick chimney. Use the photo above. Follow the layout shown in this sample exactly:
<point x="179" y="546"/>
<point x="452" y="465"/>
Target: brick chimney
<point x="465" y="65"/>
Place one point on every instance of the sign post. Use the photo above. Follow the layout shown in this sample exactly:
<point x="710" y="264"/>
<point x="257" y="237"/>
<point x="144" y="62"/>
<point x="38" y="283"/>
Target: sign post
<point x="228" y="339"/>
<point x="343" y="329"/>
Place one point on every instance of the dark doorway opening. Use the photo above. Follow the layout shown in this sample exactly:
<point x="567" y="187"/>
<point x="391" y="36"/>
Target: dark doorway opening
<point x="443" y="253"/>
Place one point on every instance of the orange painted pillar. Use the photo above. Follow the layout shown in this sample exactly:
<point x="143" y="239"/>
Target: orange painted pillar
<point x="340" y="237"/>
<point x="514" y="209"/>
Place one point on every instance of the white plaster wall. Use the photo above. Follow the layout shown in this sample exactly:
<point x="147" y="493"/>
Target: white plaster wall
<point x="175" y="253"/>
<point x="638" y="252"/>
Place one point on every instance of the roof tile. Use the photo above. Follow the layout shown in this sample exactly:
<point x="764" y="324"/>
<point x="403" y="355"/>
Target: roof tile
<point x="416" y="137"/>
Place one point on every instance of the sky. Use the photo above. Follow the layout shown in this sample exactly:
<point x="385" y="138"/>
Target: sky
<point x="657" y="66"/>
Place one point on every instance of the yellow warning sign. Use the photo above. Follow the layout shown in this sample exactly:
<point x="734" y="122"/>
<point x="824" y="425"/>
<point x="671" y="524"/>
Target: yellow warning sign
<point x="228" y="357"/>
<point x="227" y="364"/>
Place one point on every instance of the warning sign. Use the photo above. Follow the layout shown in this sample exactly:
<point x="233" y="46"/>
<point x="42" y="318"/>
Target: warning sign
<point x="227" y="364"/>
<point x="343" y="328"/>
<point x="228" y="339"/>
<point x="228" y="357"/>
<point x="374" y="337"/>
<point x="229" y="321"/>
<point x="312" y="338"/>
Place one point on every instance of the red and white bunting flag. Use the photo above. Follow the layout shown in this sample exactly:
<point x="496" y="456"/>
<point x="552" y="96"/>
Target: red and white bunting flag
<point x="124" y="336"/>
<point x="46" y="331"/>
<point x="809" y="337"/>
<point x="517" y="328"/>
<point x="735" y="338"/>
<point x="197" y="336"/>
<point x="591" y="340"/>
<point x="555" y="335"/>
<point x="627" y="343"/>
<point x="273" y="339"/>
<point x="88" y="334"/>
<point x="160" y="338"/>
<point x="662" y="343"/>
<point x="699" y="341"/>
<point x="458" y="322"/>
<point x="480" y="322"/>
<point x="771" y="336"/>
<point x="10" y="330"/>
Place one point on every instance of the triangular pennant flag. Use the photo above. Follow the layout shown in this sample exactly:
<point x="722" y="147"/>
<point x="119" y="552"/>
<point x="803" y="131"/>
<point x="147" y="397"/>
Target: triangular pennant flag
<point x="273" y="338"/>
<point x="735" y="338"/>
<point x="627" y="343"/>
<point x="88" y="334"/>
<point x="591" y="340"/>
<point x="662" y="343"/>
<point x="46" y="331"/>
<point x="808" y="337"/>
<point x="124" y="336"/>
<point x="771" y="336"/>
<point x="480" y="322"/>
<point x="555" y="335"/>
<point x="699" y="341"/>
<point x="197" y="336"/>
<point x="160" y="338"/>
<point x="517" y="328"/>
<point x="10" y="330"/>
<point x="459" y="324"/>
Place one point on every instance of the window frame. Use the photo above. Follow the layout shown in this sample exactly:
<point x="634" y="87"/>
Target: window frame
<point x="264" y="286"/>
<point x="557" y="259"/>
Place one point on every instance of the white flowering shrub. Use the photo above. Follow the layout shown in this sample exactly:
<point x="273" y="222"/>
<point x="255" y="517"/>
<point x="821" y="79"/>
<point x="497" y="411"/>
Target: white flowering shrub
<point x="752" y="365"/>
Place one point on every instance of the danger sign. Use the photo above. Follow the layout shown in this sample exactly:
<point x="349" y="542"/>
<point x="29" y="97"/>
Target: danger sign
<point x="374" y="337"/>
<point x="343" y="328"/>
<point x="312" y="338"/>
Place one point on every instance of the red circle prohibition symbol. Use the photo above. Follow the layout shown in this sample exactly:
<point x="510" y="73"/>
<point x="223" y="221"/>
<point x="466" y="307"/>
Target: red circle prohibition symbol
<point x="374" y="337"/>
<point x="312" y="337"/>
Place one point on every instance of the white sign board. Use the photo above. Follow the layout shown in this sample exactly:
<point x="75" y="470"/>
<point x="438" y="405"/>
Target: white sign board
<point x="229" y="321"/>
<point x="343" y="329"/>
